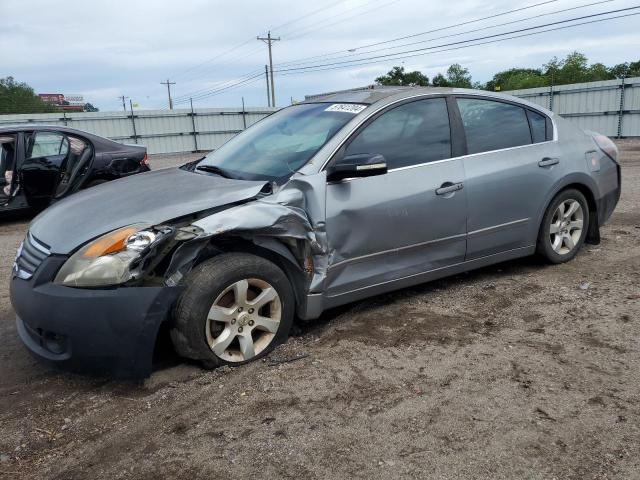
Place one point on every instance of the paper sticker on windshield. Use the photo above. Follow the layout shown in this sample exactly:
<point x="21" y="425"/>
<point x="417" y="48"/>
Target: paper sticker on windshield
<point x="345" y="108"/>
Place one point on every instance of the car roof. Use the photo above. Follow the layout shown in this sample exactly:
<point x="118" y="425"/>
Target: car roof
<point x="367" y="95"/>
<point x="379" y="93"/>
<point x="100" y="143"/>
<point x="23" y="127"/>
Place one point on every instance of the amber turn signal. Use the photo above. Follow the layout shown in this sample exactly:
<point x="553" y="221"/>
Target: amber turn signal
<point x="110" y="243"/>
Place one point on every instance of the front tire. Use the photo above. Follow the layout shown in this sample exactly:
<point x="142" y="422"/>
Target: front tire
<point x="564" y="227"/>
<point x="236" y="308"/>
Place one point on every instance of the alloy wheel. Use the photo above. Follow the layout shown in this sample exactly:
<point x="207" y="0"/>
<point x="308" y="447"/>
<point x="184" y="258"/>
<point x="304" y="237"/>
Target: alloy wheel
<point x="566" y="226"/>
<point x="243" y="320"/>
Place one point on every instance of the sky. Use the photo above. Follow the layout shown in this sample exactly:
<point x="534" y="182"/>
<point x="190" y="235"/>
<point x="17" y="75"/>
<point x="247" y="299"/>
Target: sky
<point x="103" y="49"/>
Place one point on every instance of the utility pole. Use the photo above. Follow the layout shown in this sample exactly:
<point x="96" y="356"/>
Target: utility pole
<point x="168" y="84"/>
<point x="266" y="76"/>
<point x="133" y="123"/>
<point x="269" y="41"/>
<point x="124" y="106"/>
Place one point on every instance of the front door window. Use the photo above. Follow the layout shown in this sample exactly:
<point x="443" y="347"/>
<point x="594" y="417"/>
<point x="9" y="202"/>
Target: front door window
<point x="411" y="134"/>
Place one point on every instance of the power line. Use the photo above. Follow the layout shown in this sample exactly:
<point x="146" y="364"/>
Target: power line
<point x="426" y="32"/>
<point x="424" y="51"/>
<point x="228" y="87"/>
<point x="393" y="55"/>
<point x="245" y="83"/>
<point x="307" y="15"/>
<point x="301" y="32"/>
<point x="214" y="86"/>
<point x="254" y="51"/>
<point x="300" y="62"/>
<point x="248" y="41"/>
<point x="232" y="49"/>
<point x="473" y="44"/>
<point x="197" y="93"/>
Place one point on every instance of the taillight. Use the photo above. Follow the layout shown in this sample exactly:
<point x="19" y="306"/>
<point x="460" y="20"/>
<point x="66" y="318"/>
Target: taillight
<point x="607" y="146"/>
<point x="145" y="160"/>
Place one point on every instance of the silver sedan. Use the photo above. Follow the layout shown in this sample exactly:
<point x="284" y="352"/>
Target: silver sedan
<point x="342" y="197"/>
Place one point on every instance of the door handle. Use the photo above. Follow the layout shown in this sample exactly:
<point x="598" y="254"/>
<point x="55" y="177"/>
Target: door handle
<point x="449" y="187"/>
<point x="547" y="162"/>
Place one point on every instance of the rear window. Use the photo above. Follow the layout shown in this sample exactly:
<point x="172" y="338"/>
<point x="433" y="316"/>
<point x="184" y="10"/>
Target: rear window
<point x="491" y="125"/>
<point x="538" y="126"/>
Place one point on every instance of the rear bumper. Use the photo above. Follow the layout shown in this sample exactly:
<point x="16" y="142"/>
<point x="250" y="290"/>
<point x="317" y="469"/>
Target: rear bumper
<point x="110" y="331"/>
<point x="607" y="204"/>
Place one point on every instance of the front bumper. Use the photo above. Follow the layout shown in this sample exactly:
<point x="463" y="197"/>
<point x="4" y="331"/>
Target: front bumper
<point x="105" y="331"/>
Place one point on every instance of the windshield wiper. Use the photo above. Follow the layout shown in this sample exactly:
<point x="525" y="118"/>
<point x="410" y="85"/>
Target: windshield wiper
<point x="213" y="169"/>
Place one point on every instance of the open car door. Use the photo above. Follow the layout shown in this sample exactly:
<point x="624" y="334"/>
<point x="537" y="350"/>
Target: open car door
<point x="8" y="156"/>
<point x="43" y="166"/>
<point x="76" y="168"/>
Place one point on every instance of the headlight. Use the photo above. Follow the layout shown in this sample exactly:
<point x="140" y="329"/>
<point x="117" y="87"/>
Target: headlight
<point x="108" y="260"/>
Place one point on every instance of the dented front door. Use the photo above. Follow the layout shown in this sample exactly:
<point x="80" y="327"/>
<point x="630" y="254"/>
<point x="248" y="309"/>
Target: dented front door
<point x="392" y="226"/>
<point x="411" y="220"/>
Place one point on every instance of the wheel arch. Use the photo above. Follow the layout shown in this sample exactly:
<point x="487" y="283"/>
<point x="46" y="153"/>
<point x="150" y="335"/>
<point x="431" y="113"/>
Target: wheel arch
<point x="585" y="185"/>
<point x="270" y="249"/>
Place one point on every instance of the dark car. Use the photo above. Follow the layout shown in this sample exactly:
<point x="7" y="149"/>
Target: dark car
<point x="322" y="203"/>
<point x="40" y="164"/>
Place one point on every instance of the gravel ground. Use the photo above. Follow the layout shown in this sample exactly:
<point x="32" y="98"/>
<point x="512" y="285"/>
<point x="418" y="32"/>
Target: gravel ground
<point x="512" y="371"/>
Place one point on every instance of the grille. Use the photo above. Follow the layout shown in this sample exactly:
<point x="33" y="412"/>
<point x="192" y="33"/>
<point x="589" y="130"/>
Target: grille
<point x="31" y="253"/>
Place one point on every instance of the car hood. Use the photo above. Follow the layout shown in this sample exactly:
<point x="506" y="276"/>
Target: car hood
<point x="154" y="197"/>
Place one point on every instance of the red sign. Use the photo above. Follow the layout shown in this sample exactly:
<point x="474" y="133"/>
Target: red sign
<point x="55" y="98"/>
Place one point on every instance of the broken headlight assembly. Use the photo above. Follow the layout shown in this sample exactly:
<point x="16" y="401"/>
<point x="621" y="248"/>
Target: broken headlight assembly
<point x="111" y="259"/>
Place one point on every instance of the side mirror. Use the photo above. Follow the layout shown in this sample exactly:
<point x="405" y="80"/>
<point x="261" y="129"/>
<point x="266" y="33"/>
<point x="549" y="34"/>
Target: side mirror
<point x="358" y="165"/>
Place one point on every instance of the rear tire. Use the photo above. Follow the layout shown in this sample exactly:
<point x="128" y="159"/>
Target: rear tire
<point x="236" y="308"/>
<point x="564" y="227"/>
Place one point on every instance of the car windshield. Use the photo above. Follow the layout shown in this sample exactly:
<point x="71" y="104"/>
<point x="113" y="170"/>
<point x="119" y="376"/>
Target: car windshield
<point x="282" y="143"/>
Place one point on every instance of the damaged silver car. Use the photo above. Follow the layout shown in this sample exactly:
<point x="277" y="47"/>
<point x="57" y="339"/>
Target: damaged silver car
<point x="343" y="197"/>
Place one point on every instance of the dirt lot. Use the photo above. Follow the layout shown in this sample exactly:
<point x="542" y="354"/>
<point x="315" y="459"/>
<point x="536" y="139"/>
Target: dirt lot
<point x="513" y="371"/>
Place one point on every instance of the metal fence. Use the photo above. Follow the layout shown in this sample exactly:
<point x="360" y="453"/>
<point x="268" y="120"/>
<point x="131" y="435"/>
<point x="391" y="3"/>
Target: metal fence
<point x="610" y="107"/>
<point x="162" y="131"/>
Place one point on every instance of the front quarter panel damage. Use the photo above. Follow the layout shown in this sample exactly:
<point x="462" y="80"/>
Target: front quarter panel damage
<point x="289" y="222"/>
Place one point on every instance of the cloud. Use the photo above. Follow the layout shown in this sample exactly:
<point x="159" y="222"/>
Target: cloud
<point x="104" y="49"/>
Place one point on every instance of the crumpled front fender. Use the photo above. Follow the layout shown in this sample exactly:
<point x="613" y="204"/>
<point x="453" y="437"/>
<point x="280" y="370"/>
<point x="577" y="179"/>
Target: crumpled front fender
<point x="294" y="212"/>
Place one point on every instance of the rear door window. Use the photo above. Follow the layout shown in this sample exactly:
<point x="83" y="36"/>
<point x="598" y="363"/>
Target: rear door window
<point x="47" y="144"/>
<point x="411" y="134"/>
<point x="491" y="125"/>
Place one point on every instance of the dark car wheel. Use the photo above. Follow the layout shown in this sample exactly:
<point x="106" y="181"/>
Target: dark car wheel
<point x="236" y="308"/>
<point x="564" y="227"/>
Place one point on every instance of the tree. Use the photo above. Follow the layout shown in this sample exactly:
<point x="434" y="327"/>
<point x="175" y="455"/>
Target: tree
<point x="574" y="68"/>
<point x="18" y="97"/>
<point x="397" y="76"/>
<point x="625" y="70"/>
<point x="551" y="70"/>
<point x="599" y="71"/>
<point x="90" y="108"/>
<point x="458" y="76"/>
<point x="516" y="79"/>
<point x="440" y="81"/>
